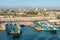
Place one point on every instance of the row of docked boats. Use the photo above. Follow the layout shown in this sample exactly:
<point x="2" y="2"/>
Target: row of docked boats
<point x="45" y="25"/>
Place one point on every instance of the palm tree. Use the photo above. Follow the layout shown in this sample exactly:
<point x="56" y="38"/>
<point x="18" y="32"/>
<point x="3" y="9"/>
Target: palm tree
<point x="58" y="16"/>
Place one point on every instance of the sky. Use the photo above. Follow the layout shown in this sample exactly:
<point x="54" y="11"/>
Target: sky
<point x="29" y="3"/>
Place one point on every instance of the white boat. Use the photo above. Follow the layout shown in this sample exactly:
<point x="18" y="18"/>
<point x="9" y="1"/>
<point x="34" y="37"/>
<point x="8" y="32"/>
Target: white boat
<point x="14" y="29"/>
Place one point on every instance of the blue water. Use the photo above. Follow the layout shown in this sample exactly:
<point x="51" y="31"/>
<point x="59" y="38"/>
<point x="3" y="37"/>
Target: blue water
<point x="29" y="33"/>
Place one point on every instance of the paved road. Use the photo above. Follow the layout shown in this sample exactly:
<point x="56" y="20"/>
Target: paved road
<point x="25" y="19"/>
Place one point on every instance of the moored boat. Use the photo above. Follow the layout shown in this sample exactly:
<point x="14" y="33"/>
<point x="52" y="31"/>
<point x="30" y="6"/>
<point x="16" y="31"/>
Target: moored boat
<point x="45" y="26"/>
<point x="13" y="29"/>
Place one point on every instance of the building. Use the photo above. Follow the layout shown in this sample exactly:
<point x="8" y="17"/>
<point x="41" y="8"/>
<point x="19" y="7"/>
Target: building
<point x="57" y="21"/>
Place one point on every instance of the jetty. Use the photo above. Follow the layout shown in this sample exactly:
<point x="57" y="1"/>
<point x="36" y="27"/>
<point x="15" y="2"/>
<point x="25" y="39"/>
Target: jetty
<point x="38" y="29"/>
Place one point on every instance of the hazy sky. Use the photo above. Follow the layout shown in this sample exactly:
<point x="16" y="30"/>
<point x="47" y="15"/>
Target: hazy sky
<point x="29" y="3"/>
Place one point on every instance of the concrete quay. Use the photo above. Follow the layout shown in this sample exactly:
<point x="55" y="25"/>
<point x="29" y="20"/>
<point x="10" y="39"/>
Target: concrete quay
<point x="2" y="27"/>
<point x="30" y="24"/>
<point x="38" y="29"/>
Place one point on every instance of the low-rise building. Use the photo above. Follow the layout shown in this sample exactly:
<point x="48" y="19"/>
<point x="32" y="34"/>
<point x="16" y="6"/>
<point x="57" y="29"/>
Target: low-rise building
<point x="56" y="22"/>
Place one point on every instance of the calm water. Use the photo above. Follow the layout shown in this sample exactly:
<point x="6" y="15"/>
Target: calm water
<point x="29" y="33"/>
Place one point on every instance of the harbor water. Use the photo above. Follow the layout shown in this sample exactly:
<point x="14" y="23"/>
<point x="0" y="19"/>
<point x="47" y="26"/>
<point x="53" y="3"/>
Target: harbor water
<point x="29" y="33"/>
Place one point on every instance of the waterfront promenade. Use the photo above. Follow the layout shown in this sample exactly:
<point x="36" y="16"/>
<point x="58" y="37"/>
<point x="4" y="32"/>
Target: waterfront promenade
<point x="22" y="21"/>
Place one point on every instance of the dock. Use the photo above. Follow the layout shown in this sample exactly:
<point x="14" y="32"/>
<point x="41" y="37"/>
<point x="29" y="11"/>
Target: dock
<point x="2" y="29"/>
<point x="38" y="29"/>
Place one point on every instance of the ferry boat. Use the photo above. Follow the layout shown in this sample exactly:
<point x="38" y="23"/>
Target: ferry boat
<point x="13" y="29"/>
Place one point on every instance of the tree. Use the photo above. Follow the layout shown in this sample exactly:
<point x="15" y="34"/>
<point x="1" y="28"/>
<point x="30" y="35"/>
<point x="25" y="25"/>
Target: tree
<point x="43" y="13"/>
<point x="58" y="16"/>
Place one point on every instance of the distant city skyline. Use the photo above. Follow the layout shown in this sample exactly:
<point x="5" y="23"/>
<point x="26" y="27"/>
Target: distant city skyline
<point x="29" y="3"/>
